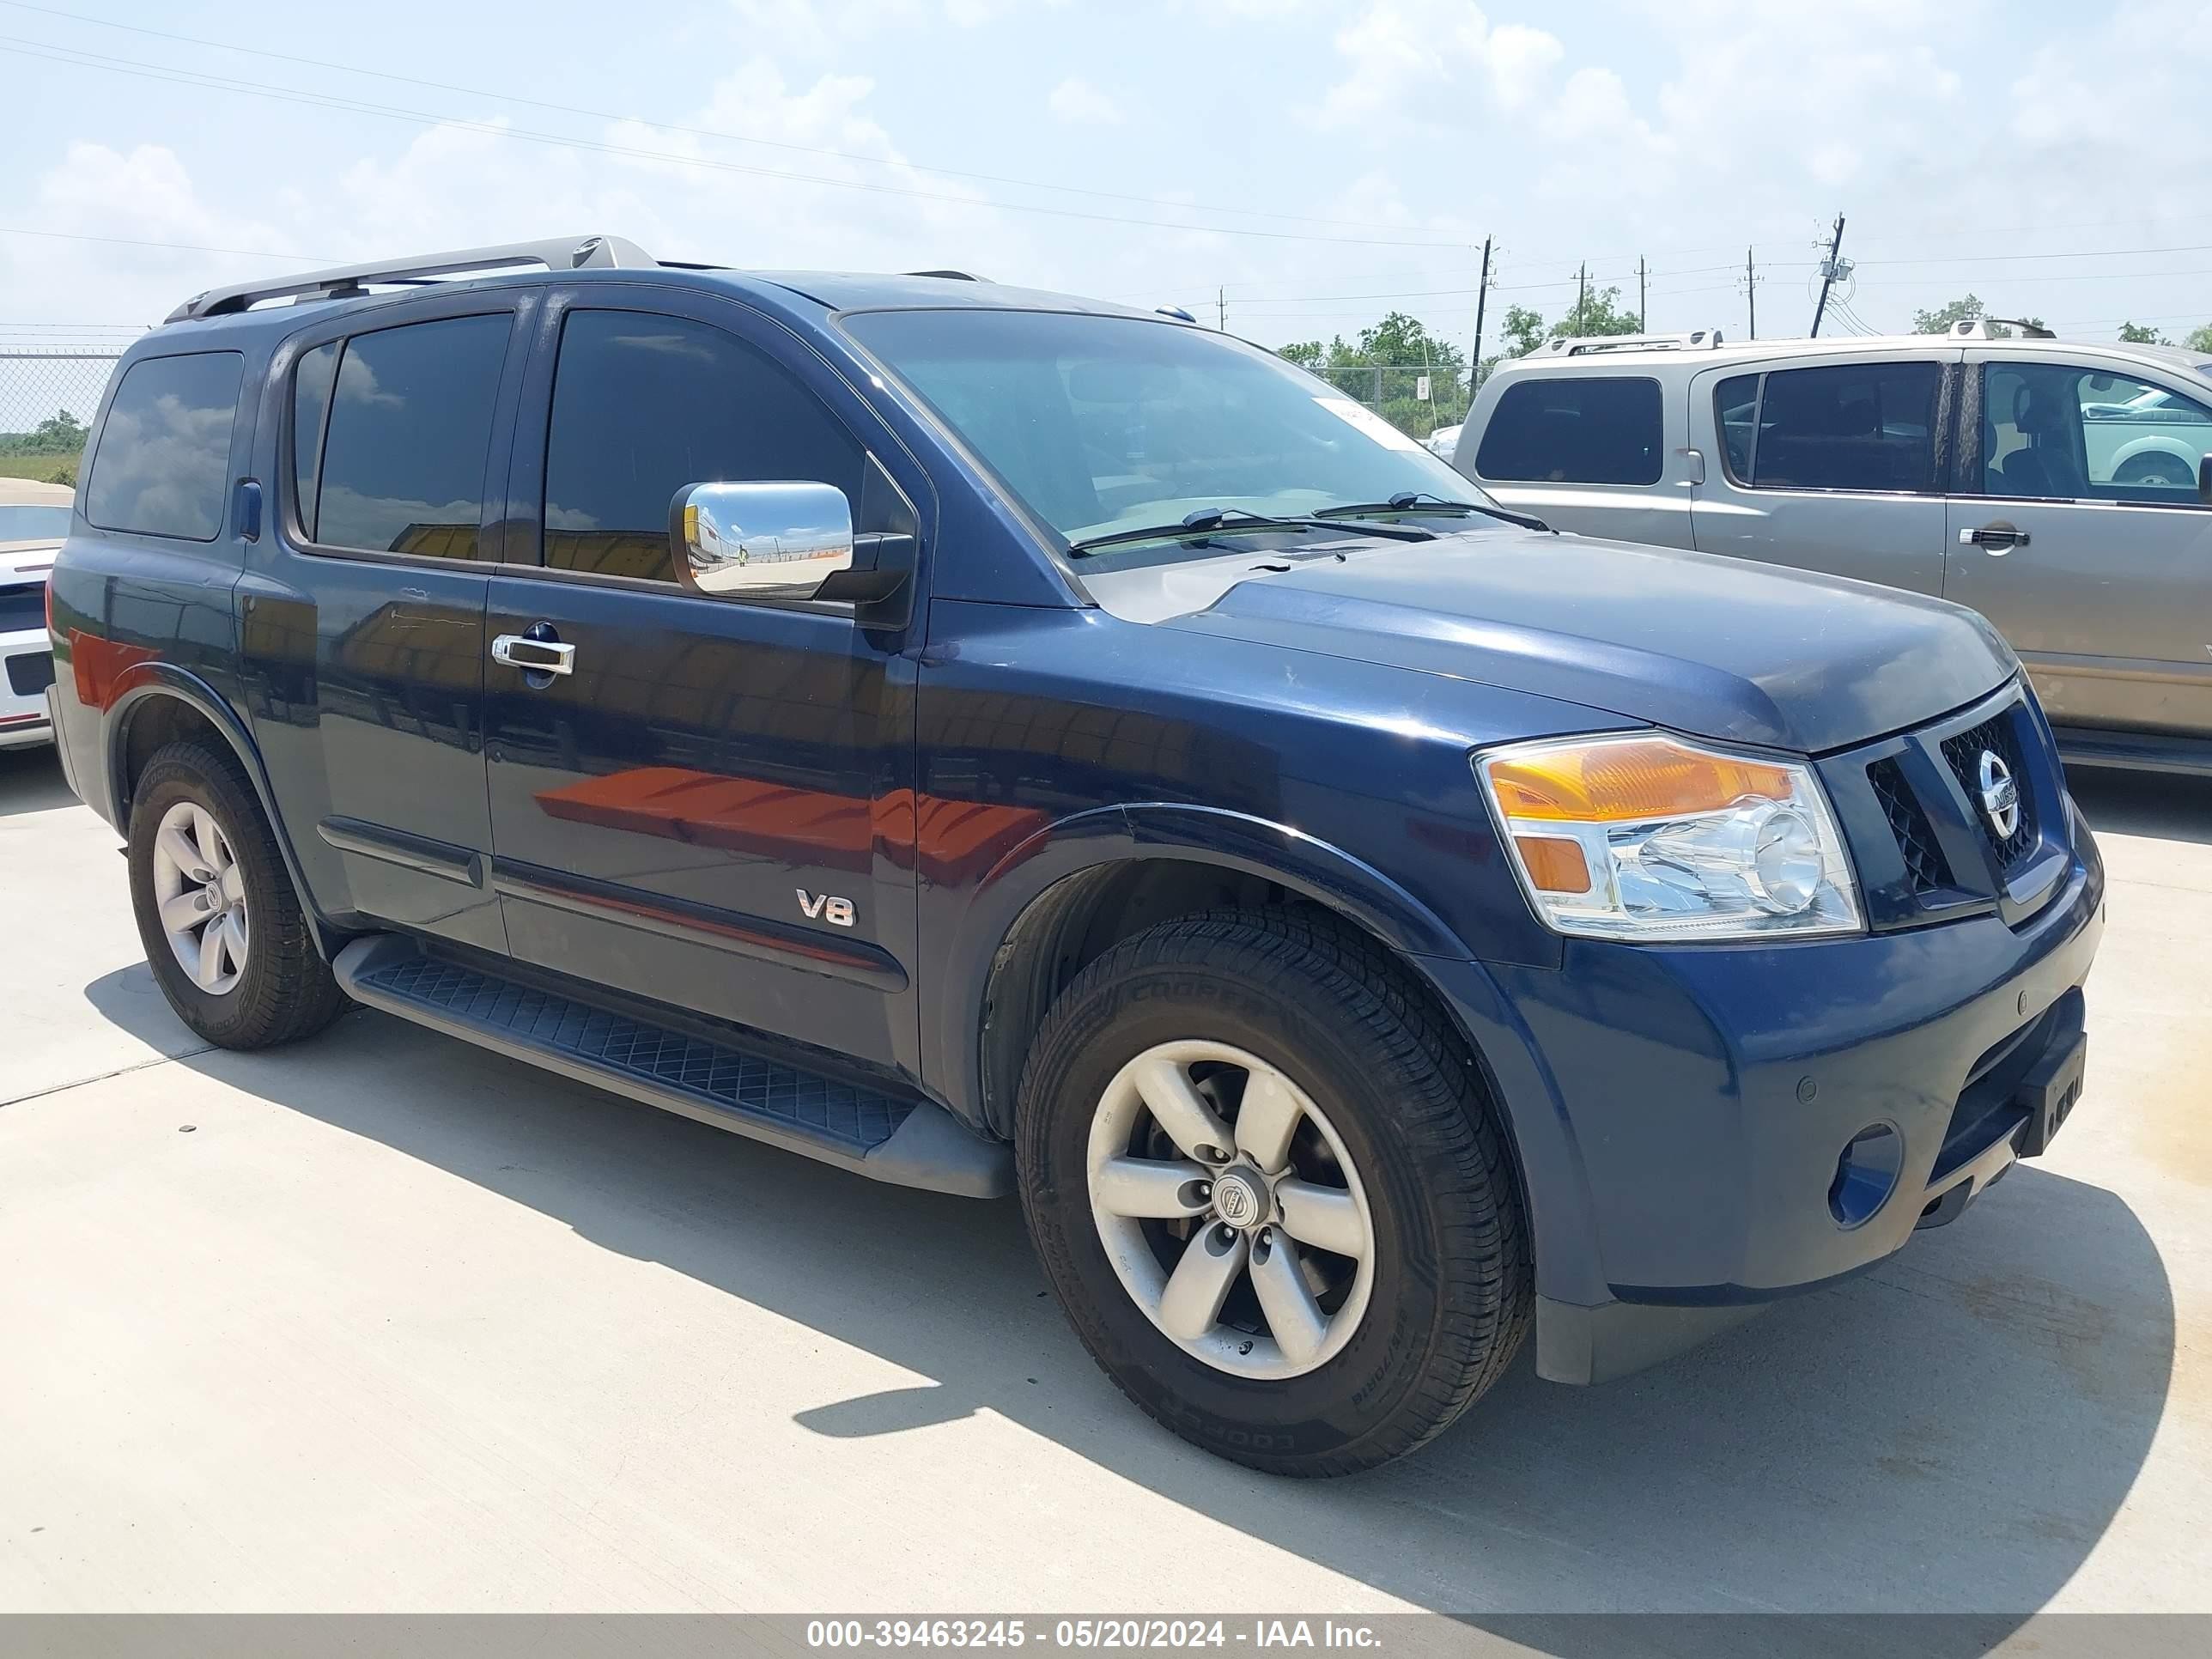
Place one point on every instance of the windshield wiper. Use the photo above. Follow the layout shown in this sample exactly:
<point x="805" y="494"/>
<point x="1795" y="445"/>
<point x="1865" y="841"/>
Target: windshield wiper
<point x="1420" y="501"/>
<point x="1208" y="522"/>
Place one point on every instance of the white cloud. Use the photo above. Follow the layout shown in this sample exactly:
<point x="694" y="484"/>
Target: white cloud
<point x="1521" y="60"/>
<point x="1398" y="54"/>
<point x="1079" y="103"/>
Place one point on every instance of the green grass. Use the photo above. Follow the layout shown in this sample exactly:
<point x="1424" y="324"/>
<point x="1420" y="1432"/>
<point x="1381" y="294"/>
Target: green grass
<point x="51" y="469"/>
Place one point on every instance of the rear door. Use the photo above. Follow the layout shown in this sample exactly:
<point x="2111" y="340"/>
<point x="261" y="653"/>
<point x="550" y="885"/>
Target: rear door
<point x="712" y="806"/>
<point x="361" y="615"/>
<point x="1827" y="464"/>
<point x="2076" y="527"/>
<point x="1588" y="453"/>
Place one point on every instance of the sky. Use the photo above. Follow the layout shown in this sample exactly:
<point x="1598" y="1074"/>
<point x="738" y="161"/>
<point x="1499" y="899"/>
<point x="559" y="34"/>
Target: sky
<point x="1295" y="168"/>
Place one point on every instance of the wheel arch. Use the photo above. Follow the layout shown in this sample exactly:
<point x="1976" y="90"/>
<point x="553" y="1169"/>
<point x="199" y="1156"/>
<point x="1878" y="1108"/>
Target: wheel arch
<point x="160" y="703"/>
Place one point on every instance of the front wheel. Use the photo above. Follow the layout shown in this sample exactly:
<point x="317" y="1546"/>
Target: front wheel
<point x="1271" y="1194"/>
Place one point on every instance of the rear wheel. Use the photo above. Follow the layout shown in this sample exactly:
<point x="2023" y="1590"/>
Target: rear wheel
<point x="2158" y="471"/>
<point x="1270" y="1194"/>
<point x="222" y="928"/>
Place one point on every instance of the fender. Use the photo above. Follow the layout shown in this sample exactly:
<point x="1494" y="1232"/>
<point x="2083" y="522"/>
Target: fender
<point x="143" y="682"/>
<point x="1554" y="1186"/>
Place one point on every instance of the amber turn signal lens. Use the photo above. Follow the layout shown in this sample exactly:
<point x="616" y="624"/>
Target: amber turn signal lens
<point x="1554" y="864"/>
<point x="1615" y="782"/>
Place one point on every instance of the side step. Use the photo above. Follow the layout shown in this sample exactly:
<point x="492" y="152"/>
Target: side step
<point x="2139" y="752"/>
<point x="909" y="1143"/>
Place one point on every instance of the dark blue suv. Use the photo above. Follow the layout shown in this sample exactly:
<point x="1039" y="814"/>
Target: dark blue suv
<point x="995" y="741"/>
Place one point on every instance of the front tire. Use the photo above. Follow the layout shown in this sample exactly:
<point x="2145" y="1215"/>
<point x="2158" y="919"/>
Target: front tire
<point x="223" y="930"/>
<point x="1271" y="1194"/>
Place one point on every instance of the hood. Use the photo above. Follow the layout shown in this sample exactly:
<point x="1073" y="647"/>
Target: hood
<point x="1720" y="647"/>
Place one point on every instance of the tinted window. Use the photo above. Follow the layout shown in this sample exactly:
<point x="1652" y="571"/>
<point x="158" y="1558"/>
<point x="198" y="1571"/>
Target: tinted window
<point x="643" y="405"/>
<point x="1575" y="429"/>
<point x="33" y="523"/>
<point x="410" y="429"/>
<point x="163" y="465"/>
<point x="2050" y="429"/>
<point x="310" y="400"/>
<point x="1856" y="426"/>
<point x="1735" y="406"/>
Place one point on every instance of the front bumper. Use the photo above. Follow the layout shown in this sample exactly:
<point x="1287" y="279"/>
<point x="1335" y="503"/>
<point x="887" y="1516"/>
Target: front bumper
<point x="1684" y="1113"/>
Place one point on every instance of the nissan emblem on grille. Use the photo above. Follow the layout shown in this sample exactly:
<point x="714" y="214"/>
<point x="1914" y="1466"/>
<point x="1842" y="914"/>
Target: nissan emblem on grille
<point x="2000" y="795"/>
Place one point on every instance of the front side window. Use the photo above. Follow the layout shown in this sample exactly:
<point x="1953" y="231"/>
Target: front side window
<point x="1576" y="429"/>
<point x="2064" y="432"/>
<point x="163" y="464"/>
<point x="645" y="404"/>
<point x="1847" y="426"/>
<point x="1101" y="425"/>
<point x="408" y="436"/>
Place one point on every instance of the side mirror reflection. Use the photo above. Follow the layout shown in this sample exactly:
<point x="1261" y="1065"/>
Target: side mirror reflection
<point x="760" y="539"/>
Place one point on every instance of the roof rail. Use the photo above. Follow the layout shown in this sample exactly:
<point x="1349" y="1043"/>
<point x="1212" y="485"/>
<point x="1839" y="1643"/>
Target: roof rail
<point x="344" y="282"/>
<point x="951" y="276"/>
<point x="1698" y="339"/>
<point x="1985" y="328"/>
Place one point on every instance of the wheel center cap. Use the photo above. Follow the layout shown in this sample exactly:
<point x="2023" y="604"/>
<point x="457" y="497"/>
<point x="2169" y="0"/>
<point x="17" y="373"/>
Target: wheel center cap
<point x="1239" y="1198"/>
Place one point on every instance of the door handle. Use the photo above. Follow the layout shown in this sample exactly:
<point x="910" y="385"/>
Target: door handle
<point x="534" y="656"/>
<point x="1997" y="539"/>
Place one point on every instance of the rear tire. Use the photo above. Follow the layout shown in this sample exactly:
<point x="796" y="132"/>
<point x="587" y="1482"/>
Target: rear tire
<point x="1391" y="1127"/>
<point x="2158" y="471"/>
<point x="223" y="929"/>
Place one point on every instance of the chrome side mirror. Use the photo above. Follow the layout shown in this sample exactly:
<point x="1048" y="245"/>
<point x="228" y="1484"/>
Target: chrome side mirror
<point x="760" y="540"/>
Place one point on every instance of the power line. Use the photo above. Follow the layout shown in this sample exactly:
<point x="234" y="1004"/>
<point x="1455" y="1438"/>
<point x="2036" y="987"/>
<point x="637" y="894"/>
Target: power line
<point x="679" y="127"/>
<point x="177" y="247"/>
<point x="104" y="64"/>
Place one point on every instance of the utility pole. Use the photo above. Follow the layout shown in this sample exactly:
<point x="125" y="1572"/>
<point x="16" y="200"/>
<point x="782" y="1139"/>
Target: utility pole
<point x="1831" y="268"/>
<point x="1221" y="310"/>
<point x="1581" y="298"/>
<point x="1643" y="316"/>
<point x="1751" y="293"/>
<point x="1482" y="293"/>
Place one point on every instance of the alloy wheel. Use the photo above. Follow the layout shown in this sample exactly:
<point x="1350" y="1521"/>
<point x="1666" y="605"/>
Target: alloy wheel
<point x="199" y="890"/>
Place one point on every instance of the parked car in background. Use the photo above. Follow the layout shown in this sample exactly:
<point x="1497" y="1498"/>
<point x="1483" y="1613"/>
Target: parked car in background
<point x="34" y="519"/>
<point x="2058" y="487"/>
<point x="1443" y="442"/>
<point x="993" y="741"/>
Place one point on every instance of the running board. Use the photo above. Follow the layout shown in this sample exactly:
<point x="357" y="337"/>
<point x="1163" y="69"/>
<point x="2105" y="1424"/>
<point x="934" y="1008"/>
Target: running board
<point x="906" y="1142"/>
<point x="2137" y="751"/>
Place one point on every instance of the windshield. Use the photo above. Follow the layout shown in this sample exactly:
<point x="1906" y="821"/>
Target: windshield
<point x="1101" y="425"/>
<point x="33" y="523"/>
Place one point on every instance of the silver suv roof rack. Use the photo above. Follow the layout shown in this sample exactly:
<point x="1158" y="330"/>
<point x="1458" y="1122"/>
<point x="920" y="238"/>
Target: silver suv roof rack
<point x="1698" y="339"/>
<point x="344" y="282"/>
<point x="1977" y="328"/>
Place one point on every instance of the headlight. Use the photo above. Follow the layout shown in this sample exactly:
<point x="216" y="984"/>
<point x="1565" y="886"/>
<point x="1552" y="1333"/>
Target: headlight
<point x="1652" y="838"/>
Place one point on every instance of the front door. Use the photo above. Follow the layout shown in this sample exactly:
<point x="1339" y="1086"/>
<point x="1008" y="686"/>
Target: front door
<point x="1827" y="465"/>
<point x="706" y="804"/>
<point x="362" y="615"/>
<point x="2076" y="527"/>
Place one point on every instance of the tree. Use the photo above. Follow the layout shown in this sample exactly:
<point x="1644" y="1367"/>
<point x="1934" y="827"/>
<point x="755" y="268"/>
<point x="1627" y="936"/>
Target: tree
<point x="2200" y="339"/>
<point x="1596" y="313"/>
<point x="1306" y="353"/>
<point x="2140" y="334"/>
<point x="1382" y="367"/>
<point x="1968" y="309"/>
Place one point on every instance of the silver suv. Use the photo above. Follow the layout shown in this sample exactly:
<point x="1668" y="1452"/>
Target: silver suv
<point x="2061" y="489"/>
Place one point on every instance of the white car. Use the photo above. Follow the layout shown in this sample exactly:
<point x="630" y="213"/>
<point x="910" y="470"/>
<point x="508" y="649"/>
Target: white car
<point x="34" y="522"/>
<point x="2154" y="437"/>
<point x="1443" y="443"/>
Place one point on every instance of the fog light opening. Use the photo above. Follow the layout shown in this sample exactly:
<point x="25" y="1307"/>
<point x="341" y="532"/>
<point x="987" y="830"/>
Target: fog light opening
<point x="1866" y="1175"/>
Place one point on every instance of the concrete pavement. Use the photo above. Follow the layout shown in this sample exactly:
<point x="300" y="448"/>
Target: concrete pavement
<point x="382" y="1322"/>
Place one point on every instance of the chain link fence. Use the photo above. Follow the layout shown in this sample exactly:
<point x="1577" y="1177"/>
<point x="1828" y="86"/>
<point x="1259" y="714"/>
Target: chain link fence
<point x="1394" y="393"/>
<point x="47" y="397"/>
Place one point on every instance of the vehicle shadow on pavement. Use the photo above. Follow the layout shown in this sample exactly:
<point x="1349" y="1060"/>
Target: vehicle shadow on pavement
<point x="31" y="781"/>
<point x="1955" y="1428"/>
<point x="2170" y="806"/>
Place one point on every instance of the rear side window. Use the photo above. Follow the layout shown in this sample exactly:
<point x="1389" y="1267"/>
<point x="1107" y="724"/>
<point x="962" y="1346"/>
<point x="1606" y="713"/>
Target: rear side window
<point x="643" y="405"/>
<point x="407" y="439"/>
<point x="1853" y="425"/>
<point x="1575" y="429"/>
<point x="163" y="464"/>
<point x="311" y="404"/>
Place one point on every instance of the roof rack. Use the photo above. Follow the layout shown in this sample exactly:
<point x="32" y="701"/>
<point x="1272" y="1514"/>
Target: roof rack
<point x="951" y="276"/>
<point x="1979" y="328"/>
<point x="346" y="281"/>
<point x="1698" y="339"/>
